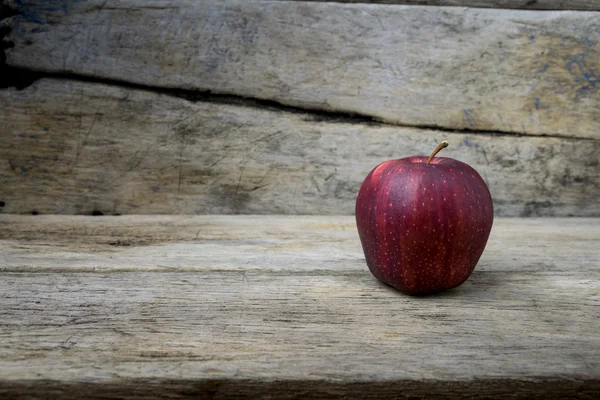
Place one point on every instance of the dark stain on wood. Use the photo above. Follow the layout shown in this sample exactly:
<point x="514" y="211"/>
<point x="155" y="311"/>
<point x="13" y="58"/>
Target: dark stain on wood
<point x="541" y="388"/>
<point x="537" y="208"/>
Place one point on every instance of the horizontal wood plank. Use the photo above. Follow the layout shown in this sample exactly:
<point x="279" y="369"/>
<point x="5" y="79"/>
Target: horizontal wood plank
<point x="71" y="147"/>
<point x="524" y="325"/>
<point x="313" y="244"/>
<point x="583" y="5"/>
<point x="458" y="68"/>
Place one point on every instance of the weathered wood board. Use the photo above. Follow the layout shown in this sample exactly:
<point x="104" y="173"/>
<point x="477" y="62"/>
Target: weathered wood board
<point x="71" y="147"/>
<point x="459" y="68"/>
<point x="285" y="307"/>
<point x="133" y="243"/>
<point x="589" y="5"/>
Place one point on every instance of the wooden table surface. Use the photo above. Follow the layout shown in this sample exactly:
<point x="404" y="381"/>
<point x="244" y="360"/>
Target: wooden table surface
<point x="284" y="307"/>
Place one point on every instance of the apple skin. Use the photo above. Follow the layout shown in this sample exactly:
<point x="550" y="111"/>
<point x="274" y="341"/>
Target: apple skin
<point x="423" y="227"/>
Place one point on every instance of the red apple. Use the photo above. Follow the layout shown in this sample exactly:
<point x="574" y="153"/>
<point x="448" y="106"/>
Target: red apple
<point x="423" y="222"/>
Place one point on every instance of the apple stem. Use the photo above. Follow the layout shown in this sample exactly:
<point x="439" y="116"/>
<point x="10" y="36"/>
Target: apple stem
<point x="441" y="146"/>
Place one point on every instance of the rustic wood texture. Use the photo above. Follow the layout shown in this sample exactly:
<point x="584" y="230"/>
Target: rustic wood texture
<point x="583" y="5"/>
<point x="285" y="307"/>
<point x="308" y="243"/>
<point x="459" y="68"/>
<point x="72" y="147"/>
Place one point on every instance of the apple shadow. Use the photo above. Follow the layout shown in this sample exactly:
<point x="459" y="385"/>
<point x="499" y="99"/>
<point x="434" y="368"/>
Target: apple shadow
<point x="479" y="283"/>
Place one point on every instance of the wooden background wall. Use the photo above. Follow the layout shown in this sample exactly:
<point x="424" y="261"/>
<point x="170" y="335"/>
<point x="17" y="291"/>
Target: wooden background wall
<point x="183" y="106"/>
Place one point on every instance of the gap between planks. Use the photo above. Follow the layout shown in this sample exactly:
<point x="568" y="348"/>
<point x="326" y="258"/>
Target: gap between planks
<point x="21" y="78"/>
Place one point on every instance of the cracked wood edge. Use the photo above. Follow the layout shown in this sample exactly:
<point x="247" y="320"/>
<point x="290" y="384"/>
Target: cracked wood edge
<point x="315" y="245"/>
<point x="522" y="325"/>
<point x="457" y="68"/>
<point x="73" y="147"/>
<point x="582" y="5"/>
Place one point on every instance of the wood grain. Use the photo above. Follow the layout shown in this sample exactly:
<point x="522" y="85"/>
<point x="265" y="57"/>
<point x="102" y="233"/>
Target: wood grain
<point x="524" y="324"/>
<point x="72" y="147"/>
<point x="458" y="68"/>
<point x="274" y="243"/>
<point x="583" y="5"/>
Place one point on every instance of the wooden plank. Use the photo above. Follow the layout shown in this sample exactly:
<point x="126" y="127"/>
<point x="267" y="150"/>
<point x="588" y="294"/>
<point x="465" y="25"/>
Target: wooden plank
<point x="517" y="328"/>
<point x="583" y="5"/>
<point x="266" y="327"/>
<point x="313" y="244"/>
<point x="77" y="148"/>
<point x="458" y="68"/>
